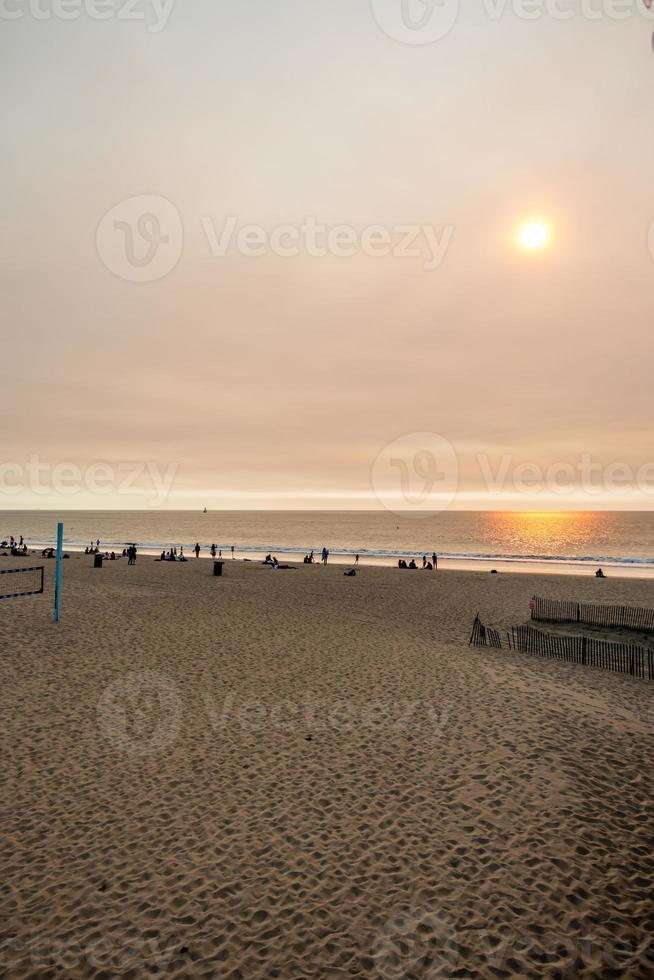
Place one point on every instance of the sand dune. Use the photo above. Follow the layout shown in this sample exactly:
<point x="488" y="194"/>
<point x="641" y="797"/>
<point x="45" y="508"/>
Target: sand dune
<point x="297" y="774"/>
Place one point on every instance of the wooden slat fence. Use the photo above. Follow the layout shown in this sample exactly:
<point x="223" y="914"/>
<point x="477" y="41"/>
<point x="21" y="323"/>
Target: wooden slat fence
<point x="593" y="614"/>
<point x="625" y="658"/>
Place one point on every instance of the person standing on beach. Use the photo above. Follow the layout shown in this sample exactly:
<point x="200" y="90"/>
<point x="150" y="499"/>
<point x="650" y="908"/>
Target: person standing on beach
<point x="197" y="549"/>
<point x="356" y="559"/>
<point x="213" y="551"/>
<point x="325" y="556"/>
<point x="232" y="552"/>
<point x="434" y="561"/>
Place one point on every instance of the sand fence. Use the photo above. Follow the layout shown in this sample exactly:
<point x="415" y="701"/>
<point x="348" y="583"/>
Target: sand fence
<point x="593" y="614"/>
<point x="589" y="651"/>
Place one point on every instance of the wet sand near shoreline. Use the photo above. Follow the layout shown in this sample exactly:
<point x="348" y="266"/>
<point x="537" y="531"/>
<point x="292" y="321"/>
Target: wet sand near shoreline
<point x="299" y="774"/>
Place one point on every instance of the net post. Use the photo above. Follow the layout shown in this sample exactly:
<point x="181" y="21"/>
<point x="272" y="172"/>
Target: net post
<point x="56" y="615"/>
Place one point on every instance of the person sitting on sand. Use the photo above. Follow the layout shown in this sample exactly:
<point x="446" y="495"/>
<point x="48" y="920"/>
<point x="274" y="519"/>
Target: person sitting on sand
<point x="401" y="563"/>
<point x="428" y="567"/>
<point x="412" y="563"/>
<point x="599" y="573"/>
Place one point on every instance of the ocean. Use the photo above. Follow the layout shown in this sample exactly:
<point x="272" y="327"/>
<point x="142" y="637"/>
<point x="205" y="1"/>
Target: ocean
<point x="573" y="542"/>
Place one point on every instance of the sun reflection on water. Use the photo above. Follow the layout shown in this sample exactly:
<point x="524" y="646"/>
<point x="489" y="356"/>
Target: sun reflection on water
<point x="552" y="532"/>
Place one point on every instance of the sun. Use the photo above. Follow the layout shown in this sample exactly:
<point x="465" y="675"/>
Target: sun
<point x="534" y="235"/>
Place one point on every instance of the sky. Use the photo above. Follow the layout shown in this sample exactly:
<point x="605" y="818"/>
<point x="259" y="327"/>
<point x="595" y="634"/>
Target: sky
<point x="264" y="254"/>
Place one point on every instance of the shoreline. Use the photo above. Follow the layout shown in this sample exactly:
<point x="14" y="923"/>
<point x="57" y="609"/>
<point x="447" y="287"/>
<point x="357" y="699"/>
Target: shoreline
<point x="567" y="544"/>
<point x="571" y="567"/>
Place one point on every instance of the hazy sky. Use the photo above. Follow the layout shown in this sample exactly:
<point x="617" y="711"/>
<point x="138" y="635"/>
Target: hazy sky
<point x="244" y="379"/>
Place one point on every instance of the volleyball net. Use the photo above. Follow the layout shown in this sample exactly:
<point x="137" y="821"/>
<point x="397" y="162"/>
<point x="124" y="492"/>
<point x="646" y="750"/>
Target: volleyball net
<point x="25" y="581"/>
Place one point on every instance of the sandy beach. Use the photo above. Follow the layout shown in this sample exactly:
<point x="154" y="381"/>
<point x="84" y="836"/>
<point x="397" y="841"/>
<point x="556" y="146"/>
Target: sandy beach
<point x="297" y="774"/>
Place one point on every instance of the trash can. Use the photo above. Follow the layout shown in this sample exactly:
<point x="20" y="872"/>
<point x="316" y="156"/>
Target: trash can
<point x="97" y="561"/>
<point x="218" y="567"/>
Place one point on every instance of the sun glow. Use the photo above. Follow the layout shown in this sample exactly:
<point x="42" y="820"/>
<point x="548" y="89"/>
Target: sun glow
<point x="534" y="235"/>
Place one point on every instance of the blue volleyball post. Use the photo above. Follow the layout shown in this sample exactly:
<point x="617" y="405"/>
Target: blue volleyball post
<point x="56" y="615"/>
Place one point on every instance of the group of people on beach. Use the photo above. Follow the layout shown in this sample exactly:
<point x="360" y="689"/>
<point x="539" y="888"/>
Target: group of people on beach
<point x="427" y="566"/>
<point x="172" y="555"/>
<point x="324" y="557"/>
<point x="94" y="549"/>
<point x="17" y="548"/>
<point x="272" y="561"/>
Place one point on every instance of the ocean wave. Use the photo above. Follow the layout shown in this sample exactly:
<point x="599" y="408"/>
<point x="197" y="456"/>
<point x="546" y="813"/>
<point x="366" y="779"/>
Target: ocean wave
<point x="374" y="553"/>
